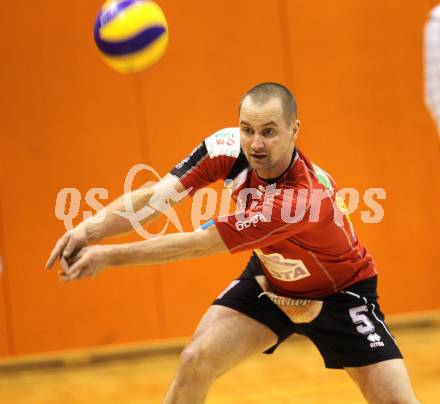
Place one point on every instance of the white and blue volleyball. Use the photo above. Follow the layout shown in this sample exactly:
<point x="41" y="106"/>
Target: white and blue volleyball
<point x="131" y="35"/>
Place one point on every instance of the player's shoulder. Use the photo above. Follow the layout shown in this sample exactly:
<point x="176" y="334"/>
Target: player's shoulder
<point x="310" y="170"/>
<point x="224" y="142"/>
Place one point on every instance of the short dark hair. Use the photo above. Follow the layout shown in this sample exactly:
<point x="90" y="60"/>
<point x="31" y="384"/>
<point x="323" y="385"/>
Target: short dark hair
<point x="263" y="92"/>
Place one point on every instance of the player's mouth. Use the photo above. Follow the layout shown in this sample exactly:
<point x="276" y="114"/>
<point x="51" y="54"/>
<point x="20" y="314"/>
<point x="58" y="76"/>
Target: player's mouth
<point x="258" y="157"/>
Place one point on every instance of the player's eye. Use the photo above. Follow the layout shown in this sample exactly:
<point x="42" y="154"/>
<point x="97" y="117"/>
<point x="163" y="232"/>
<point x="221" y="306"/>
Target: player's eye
<point x="268" y="132"/>
<point x="247" y="131"/>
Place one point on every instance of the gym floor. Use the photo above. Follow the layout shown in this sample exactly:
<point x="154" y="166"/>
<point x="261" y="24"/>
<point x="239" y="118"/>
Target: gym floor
<point x="295" y="374"/>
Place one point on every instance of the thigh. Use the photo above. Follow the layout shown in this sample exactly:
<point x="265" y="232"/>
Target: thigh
<point x="225" y="337"/>
<point x="384" y="382"/>
<point x="245" y="295"/>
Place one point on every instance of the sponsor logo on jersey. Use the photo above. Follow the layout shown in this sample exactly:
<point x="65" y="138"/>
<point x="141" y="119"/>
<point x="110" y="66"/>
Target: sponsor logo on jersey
<point x="225" y="142"/>
<point x="294" y="273"/>
<point x="181" y="164"/>
<point x="226" y="138"/>
<point x="375" y="340"/>
<point x="250" y="222"/>
<point x="283" y="269"/>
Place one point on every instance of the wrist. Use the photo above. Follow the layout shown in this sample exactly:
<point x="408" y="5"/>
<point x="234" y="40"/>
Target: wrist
<point x="111" y="255"/>
<point x="91" y="231"/>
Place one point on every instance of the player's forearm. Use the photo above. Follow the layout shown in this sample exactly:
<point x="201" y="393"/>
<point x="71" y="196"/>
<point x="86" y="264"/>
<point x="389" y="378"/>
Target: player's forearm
<point x="167" y="248"/>
<point x="143" y="205"/>
<point x="108" y="222"/>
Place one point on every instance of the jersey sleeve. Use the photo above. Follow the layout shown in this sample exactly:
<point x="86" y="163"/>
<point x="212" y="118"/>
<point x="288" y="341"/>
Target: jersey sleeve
<point x="267" y="222"/>
<point x="210" y="161"/>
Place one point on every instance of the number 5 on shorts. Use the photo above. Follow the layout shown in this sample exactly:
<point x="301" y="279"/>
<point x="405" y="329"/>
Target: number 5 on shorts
<point x="365" y="325"/>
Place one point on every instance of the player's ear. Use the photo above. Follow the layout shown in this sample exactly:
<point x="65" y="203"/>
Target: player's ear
<point x="296" y="126"/>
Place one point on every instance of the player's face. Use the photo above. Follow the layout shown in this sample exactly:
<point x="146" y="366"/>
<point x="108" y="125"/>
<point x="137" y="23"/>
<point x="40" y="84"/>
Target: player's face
<point x="266" y="139"/>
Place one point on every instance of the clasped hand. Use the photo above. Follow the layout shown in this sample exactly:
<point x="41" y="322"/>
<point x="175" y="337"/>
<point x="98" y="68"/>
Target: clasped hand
<point x="77" y="260"/>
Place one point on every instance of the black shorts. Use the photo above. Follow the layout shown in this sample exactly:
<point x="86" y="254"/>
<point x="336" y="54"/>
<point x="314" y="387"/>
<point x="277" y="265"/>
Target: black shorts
<point x="349" y="331"/>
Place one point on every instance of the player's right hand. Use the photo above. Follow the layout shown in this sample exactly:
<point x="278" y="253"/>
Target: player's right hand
<point x="68" y="245"/>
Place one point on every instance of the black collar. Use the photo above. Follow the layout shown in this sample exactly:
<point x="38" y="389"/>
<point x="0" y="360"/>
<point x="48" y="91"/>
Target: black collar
<point x="274" y="180"/>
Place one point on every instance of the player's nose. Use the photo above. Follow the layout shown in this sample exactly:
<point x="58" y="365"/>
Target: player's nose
<point x="257" y="144"/>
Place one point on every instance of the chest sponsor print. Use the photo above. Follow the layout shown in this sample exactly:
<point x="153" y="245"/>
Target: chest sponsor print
<point x="283" y="269"/>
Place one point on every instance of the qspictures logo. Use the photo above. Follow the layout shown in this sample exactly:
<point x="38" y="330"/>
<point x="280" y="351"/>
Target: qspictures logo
<point x="292" y="205"/>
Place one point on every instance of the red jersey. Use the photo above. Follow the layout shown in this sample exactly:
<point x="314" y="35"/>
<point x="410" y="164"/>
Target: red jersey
<point x="296" y="224"/>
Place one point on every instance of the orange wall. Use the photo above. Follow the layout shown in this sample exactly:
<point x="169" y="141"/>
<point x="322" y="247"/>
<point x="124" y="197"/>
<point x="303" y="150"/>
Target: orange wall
<point x="5" y="326"/>
<point x="357" y="69"/>
<point x="69" y="121"/>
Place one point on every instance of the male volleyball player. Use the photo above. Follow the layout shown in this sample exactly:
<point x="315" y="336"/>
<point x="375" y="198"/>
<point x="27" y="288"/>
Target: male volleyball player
<point x="308" y="273"/>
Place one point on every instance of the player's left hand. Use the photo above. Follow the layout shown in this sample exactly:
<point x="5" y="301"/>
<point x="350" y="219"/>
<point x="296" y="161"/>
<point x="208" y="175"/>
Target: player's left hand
<point x="88" y="262"/>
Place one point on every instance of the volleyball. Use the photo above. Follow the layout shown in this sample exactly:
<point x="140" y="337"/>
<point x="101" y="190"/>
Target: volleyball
<point x="131" y="35"/>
